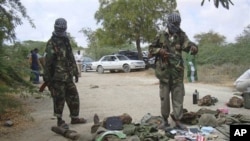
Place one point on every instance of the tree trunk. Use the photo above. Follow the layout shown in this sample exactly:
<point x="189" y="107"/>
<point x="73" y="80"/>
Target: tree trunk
<point x="138" y="46"/>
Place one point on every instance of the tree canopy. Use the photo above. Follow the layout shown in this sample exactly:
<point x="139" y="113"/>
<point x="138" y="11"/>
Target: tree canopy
<point x="127" y="21"/>
<point x="210" y="37"/>
<point x="14" y="67"/>
<point x="11" y="14"/>
<point x="245" y="36"/>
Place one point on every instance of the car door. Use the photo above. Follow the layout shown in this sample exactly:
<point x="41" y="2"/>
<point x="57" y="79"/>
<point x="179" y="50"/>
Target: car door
<point x="122" y="60"/>
<point x="105" y="62"/>
<point x="114" y="62"/>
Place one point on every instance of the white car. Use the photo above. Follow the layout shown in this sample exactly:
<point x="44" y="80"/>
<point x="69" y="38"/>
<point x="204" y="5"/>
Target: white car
<point x="117" y="63"/>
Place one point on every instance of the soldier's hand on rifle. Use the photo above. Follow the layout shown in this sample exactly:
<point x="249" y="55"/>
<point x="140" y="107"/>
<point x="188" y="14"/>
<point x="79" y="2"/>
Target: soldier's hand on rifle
<point x="76" y="78"/>
<point x="163" y="53"/>
<point x="193" y="49"/>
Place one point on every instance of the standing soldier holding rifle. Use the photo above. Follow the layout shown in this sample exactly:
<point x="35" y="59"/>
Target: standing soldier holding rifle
<point x="60" y="68"/>
<point x="167" y="48"/>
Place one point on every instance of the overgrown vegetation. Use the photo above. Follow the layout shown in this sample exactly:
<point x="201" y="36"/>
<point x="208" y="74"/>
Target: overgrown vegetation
<point x="13" y="66"/>
<point x="8" y="101"/>
<point x="218" y="60"/>
<point x="14" y="74"/>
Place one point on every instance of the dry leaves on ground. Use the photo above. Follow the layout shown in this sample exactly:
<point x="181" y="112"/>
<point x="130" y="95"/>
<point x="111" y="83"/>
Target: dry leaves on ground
<point x="20" y="118"/>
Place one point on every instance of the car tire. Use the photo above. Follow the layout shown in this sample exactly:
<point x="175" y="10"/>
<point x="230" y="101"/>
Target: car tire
<point x="126" y="68"/>
<point x="100" y="69"/>
<point x="84" y="69"/>
<point x="112" y="71"/>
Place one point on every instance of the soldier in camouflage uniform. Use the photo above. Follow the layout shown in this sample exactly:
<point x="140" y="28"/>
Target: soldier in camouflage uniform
<point x="60" y="68"/>
<point x="167" y="48"/>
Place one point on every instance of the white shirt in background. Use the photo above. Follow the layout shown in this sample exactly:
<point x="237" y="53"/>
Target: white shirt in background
<point x="78" y="58"/>
<point x="242" y="83"/>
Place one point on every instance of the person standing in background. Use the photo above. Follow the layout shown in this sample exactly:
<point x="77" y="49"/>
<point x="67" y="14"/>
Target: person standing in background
<point x="29" y="57"/>
<point x="192" y="75"/>
<point x="35" y="66"/>
<point x="79" y="59"/>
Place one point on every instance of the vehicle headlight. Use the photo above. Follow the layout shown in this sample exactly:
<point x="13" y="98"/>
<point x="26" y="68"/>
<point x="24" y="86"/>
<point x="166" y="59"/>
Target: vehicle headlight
<point x="133" y="63"/>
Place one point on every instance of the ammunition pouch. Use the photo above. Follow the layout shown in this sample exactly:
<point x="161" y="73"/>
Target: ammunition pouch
<point x="161" y="71"/>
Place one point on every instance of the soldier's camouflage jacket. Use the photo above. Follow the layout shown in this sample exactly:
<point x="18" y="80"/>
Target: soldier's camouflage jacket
<point x="60" y="64"/>
<point x="173" y="67"/>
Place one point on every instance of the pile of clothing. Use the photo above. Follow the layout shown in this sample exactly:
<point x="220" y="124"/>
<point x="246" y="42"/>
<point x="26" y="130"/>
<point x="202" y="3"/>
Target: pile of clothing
<point x="121" y="128"/>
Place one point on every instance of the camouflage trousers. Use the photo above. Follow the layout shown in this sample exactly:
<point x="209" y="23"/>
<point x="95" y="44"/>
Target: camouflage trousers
<point x="177" y="97"/>
<point x="65" y="92"/>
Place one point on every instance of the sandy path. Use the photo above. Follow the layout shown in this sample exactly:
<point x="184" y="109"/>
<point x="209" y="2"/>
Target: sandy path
<point x="134" y="93"/>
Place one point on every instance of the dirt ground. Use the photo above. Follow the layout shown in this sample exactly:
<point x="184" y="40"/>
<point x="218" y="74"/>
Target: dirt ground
<point x="109" y="94"/>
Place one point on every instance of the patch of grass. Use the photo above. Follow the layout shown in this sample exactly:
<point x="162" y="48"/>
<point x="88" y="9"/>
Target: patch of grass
<point x="12" y="108"/>
<point x="224" y="74"/>
<point x="8" y="101"/>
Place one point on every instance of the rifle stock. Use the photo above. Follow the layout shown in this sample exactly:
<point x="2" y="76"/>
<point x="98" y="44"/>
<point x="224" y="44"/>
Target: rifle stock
<point x="41" y="89"/>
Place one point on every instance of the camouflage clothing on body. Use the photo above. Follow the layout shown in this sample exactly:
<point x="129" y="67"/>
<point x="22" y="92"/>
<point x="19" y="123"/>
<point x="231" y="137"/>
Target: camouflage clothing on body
<point x="60" y="67"/>
<point x="131" y="132"/>
<point x="207" y="100"/>
<point x="170" y="71"/>
<point x="235" y="102"/>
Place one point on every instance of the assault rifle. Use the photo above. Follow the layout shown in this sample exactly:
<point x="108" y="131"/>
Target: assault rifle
<point x="158" y="44"/>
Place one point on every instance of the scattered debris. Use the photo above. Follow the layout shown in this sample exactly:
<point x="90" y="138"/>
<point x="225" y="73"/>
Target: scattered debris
<point x="94" y="86"/>
<point x="8" y="123"/>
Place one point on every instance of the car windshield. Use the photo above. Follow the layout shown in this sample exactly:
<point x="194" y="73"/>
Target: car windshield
<point x="121" y="57"/>
<point x="86" y="59"/>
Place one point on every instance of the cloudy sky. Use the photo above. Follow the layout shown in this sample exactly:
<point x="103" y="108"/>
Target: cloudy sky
<point x="80" y="14"/>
